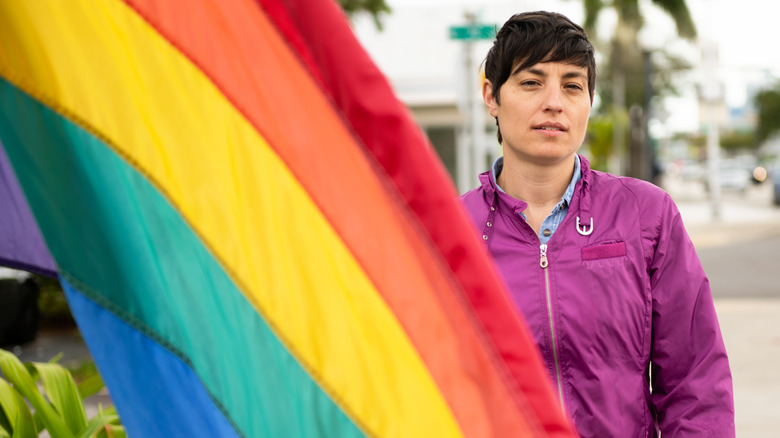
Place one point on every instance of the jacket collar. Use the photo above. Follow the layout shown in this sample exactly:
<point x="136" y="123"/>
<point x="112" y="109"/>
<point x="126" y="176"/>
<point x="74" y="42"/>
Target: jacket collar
<point x="497" y="198"/>
<point x="581" y="200"/>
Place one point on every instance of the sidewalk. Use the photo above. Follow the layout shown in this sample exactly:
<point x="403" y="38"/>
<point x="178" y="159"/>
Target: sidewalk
<point x="744" y="216"/>
<point x="752" y="338"/>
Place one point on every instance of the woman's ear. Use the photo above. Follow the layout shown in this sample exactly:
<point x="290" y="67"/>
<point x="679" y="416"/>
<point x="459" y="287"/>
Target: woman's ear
<point x="490" y="100"/>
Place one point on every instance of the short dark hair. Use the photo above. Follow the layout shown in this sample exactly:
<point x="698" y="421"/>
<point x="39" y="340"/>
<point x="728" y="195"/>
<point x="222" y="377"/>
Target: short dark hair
<point x="529" y="38"/>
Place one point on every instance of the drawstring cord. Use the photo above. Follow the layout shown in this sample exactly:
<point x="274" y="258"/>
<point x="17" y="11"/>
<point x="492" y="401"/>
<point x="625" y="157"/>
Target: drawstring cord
<point x="584" y="219"/>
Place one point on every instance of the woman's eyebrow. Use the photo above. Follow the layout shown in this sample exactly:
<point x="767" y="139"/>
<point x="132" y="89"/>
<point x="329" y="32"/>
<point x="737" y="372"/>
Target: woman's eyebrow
<point x="532" y="70"/>
<point x="542" y="73"/>
<point x="575" y="75"/>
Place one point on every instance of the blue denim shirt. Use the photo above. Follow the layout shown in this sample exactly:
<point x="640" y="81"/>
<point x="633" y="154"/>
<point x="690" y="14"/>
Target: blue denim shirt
<point x="551" y="222"/>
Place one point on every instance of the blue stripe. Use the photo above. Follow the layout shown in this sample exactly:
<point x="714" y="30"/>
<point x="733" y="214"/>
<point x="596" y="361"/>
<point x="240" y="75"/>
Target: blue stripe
<point x="172" y="403"/>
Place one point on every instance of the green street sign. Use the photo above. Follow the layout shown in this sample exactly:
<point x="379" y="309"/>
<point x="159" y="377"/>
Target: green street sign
<point x="473" y="32"/>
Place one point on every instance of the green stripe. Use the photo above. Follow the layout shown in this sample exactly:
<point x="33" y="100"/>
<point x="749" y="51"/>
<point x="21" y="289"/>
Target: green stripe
<point x="113" y="232"/>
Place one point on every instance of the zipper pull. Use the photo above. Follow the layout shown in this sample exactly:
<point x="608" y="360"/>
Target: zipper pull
<point x="543" y="251"/>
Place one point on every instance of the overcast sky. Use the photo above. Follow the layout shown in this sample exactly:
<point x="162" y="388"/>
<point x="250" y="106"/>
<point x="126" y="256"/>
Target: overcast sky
<point x="746" y="33"/>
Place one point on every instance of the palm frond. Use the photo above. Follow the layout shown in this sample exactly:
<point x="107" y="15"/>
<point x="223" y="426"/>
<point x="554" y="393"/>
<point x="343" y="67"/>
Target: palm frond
<point x="678" y="10"/>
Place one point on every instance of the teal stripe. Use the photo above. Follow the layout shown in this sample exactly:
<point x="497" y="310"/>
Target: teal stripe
<point x="134" y="254"/>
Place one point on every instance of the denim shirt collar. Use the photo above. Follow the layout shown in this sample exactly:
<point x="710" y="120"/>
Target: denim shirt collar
<point x="498" y="166"/>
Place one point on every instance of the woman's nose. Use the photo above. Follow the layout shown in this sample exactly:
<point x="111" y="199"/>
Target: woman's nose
<point x="553" y="100"/>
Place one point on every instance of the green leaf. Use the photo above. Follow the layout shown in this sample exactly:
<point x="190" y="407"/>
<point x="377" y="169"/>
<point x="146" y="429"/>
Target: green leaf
<point x="90" y="386"/>
<point x="25" y="428"/>
<point x="63" y="394"/>
<point x="17" y="416"/>
<point x="56" y="359"/>
<point x="97" y="424"/>
<point x="23" y="383"/>
<point x="38" y="418"/>
<point x="16" y="412"/>
<point x="109" y="411"/>
<point x="5" y="398"/>
<point x="114" y="431"/>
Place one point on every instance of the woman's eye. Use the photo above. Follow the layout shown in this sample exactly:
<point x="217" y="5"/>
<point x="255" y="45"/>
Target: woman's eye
<point x="529" y="83"/>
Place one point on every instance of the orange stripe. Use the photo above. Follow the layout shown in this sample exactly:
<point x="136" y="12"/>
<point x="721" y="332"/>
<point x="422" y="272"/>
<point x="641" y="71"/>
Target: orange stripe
<point x="289" y="110"/>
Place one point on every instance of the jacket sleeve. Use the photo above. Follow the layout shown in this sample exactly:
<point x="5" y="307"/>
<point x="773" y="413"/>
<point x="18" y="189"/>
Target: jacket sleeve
<point x="690" y="376"/>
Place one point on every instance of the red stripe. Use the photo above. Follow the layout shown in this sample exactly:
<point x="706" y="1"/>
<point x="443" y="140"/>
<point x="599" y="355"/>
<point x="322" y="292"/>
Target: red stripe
<point x="389" y="133"/>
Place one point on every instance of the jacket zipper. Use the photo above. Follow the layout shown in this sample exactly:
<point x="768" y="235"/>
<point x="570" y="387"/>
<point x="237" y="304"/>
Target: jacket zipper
<point x="543" y="263"/>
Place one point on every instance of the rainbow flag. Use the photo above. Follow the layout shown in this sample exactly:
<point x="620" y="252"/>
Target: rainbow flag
<point x="253" y="235"/>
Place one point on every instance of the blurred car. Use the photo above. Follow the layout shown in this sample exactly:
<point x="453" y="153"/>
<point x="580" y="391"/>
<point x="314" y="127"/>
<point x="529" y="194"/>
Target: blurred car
<point x="777" y="189"/>
<point x="732" y="175"/>
<point x="690" y="170"/>
<point x="19" y="311"/>
<point x="775" y="175"/>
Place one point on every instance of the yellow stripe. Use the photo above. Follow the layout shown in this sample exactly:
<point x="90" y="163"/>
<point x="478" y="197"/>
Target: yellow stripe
<point x="99" y="62"/>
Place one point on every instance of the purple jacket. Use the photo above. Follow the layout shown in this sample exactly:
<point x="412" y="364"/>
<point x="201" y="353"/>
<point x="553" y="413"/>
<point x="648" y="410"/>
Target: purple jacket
<point x="604" y="303"/>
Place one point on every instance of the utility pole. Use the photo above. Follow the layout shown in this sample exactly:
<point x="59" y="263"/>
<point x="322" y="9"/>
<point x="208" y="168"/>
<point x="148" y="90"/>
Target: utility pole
<point x="711" y="102"/>
<point x="462" y="156"/>
<point x="476" y="109"/>
<point x="711" y="99"/>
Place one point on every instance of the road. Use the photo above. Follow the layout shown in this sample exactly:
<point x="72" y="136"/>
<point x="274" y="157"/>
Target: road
<point x="740" y="251"/>
<point x="744" y="270"/>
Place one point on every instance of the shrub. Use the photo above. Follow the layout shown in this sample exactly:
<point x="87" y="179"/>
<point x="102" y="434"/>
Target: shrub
<point x="60" y="411"/>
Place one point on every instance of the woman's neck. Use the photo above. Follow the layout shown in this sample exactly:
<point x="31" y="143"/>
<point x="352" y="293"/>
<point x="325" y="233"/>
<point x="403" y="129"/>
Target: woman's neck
<point x="537" y="185"/>
<point x="540" y="187"/>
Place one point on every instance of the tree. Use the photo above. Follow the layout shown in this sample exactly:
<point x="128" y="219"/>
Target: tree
<point x="628" y="65"/>
<point x="768" y="106"/>
<point x="373" y="7"/>
<point x="733" y="142"/>
<point x="630" y="19"/>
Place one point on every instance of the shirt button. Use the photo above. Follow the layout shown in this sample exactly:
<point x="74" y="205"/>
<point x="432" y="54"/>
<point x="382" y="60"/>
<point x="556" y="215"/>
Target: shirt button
<point x="547" y="233"/>
<point x="561" y="207"/>
<point x="490" y="224"/>
<point x="484" y="236"/>
<point x="492" y="208"/>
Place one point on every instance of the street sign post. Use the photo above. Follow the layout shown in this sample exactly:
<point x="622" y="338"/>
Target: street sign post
<point x="474" y="31"/>
<point x="470" y="149"/>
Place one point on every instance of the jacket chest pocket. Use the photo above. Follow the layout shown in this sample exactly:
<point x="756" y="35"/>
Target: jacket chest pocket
<point x="603" y="251"/>
<point x="603" y="301"/>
